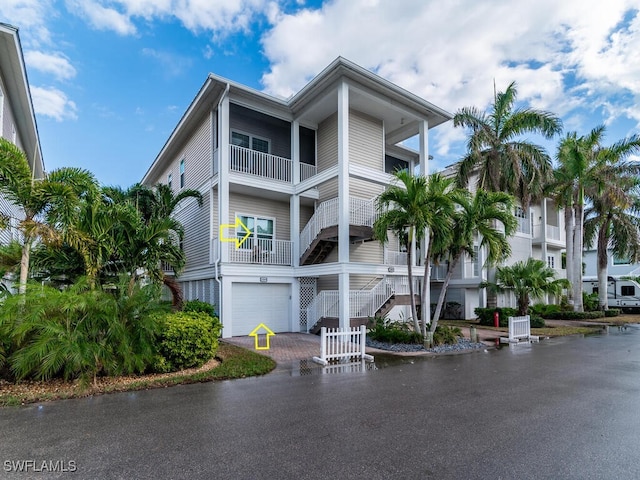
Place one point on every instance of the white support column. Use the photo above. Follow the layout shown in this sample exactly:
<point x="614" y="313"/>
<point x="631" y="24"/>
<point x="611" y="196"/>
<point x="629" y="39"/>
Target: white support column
<point x="295" y="306"/>
<point x="423" y="139"/>
<point x="295" y="151"/>
<point x="343" y="201"/>
<point x="225" y="307"/>
<point x="223" y="176"/>
<point x="543" y="229"/>
<point x="294" y="212"/>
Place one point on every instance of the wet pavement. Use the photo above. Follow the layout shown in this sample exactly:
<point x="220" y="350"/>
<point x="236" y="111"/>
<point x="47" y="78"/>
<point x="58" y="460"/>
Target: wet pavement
<point x="561" y="408"/>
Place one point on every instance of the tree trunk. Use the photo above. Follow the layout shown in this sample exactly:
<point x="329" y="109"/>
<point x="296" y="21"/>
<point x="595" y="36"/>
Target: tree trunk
<point x="603" y="260"/>
<point x="523" y="304"/>
<point x="425" y="300"/>
<point x="24" y="265"/>
<point x="414" y="311"/>
<point x="443" y="292"/>
<point x="577" y="259"/>
<point x="176" y="292"/>
<point x="569" y="229"/>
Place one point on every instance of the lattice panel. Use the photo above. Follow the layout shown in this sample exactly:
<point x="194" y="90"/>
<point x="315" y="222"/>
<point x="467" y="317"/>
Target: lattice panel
<point x="308" y="287"/>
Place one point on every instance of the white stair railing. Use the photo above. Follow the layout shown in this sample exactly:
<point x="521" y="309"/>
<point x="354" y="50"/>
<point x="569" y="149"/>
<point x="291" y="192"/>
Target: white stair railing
<point x="361" y="212"/>
<point x="362" y="303"/>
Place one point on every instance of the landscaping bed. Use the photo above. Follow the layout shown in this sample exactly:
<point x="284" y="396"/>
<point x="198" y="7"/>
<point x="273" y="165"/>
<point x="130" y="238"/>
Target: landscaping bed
<point x="230" y="362"/>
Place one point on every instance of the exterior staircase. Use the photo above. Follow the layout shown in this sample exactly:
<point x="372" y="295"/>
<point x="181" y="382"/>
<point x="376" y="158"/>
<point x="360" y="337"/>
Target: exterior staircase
<point x="320" y="235"/>
<point x="363" y="304"/>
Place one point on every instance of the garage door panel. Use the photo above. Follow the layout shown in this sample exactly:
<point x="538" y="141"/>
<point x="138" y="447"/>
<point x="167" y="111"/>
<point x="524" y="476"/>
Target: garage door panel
<point x="256" y="303"/>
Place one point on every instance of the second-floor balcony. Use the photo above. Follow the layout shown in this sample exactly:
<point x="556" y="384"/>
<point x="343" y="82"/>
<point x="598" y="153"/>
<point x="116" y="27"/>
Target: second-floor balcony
<point x="256" y="251"/>
<point x="553" y="233"/>
<point x="264" y="165"/>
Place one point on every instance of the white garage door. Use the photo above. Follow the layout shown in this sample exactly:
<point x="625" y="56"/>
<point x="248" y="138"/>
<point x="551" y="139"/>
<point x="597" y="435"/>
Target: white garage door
<point x="256" y="303"/>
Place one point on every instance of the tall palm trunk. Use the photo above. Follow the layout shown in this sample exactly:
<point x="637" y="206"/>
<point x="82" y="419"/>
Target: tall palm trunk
<point x="414" y="310"/>
<point x="603" y="243"/>
<point x="577" y="258"/>
<point x="24" y="265"/>
<point x="569" y="229"/>
<point x="443" y="292"/>
<point x="425" y="300"/>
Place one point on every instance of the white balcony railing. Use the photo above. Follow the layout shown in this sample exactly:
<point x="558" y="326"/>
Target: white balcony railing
<point x="395" y="258"/>
<point x="439" y="272"/>
<point x="307" y="171"/>
<point x="252" y="162"/>
<point x="260" y="251"/>
<point x="524" y="225"/>
<point x="553" y="232"/>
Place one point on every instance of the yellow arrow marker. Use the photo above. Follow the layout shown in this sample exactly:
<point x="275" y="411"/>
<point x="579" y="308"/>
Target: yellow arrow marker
<point x="256" y="332"/>
<point x="235" y="239"/>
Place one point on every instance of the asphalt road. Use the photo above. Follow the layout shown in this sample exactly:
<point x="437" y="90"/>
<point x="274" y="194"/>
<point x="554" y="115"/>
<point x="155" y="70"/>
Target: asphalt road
<point x="563" y="408"/>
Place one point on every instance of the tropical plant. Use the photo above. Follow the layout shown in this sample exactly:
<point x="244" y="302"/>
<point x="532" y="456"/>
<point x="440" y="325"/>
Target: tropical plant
<point x="404" y="209"/>
<point x="440" y="202"/>
<point x="528" y="280"/>
<point x="35" y="198"/>
<point x="503" y="161"/>
<point x="476" y="223"/>
<point x="586" y="171"/>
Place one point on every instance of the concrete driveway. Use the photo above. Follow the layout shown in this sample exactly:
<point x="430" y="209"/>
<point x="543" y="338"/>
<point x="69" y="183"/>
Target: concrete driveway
<point x="563" y="408"/>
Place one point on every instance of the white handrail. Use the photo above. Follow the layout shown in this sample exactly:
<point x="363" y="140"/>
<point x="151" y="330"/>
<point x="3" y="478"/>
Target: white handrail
<point x="252" y="162"/>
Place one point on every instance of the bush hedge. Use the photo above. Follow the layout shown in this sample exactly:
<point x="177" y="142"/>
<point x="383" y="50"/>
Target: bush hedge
<point x="575" y="315"/>
<point x="187" y="340"/>
<point x="486" y="317"/>
<point x="384" y="330"/>
<point x="612" y="312"/>
<point x="199" y="306"/>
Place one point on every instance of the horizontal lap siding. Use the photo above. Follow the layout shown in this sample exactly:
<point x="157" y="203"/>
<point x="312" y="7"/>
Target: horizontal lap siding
<point x="366" y="141"/>
<point x="368" y="252"/>
<point x="327" y="282"/>
<point x="262" y="207"/>
<point x="9" y="209"/>
<point x="327" y="138"/>
<point x="366" y="282"/>
<point x="196" y="153"/>
<point x="328" y="190"/>
<point x="305" y="215"/>
<point x="363" y="189"/>
<point x="195" y="220"/>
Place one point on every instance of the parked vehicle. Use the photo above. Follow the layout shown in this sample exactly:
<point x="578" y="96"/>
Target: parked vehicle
<point x="621" y="293"/>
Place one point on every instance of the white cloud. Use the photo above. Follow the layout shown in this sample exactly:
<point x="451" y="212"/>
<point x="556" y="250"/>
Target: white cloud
<point x="31" y="17"/>
<point x="172" y="64"/>
<point x="56" y="64"/>
<point x="53" y="103"/>
<point x="101" y="17"/>
<point x="564" y="55"/>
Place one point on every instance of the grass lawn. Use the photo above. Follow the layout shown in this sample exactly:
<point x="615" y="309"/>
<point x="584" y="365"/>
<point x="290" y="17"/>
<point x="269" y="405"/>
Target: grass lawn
<point x="548" y="331"/>
<point x="230" y="362"/>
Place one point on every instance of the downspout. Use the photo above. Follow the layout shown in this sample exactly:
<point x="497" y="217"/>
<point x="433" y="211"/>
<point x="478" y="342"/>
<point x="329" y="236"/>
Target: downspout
<point x="217" y="260"/>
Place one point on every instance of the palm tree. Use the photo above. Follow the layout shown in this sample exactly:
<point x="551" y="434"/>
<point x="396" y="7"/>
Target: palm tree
<point x="440" y="201"/>
<point x="502" y="160"/>
<point x="613" y="218"/>
<point x="529" y="280"/>
<point x="35" y="198"/>
<point x="403" y="208"/>
<point x="588" y="170"/>
<point x="477" y="218"/>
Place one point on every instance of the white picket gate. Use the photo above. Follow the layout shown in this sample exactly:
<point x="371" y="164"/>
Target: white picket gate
<point x="519" y="329"/>
<point x="342" y="343"/>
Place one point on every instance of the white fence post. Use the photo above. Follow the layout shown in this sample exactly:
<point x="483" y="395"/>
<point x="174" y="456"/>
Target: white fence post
<point x="341" y="344"/>
<point x="519" y="329"/>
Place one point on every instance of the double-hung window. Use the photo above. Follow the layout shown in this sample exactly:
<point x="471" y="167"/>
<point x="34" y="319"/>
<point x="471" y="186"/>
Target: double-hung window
<point x="249" y="141"/>
<point x="170" y="180"/>
<point x="182" y="173"/>
<point x="262" y="233"/>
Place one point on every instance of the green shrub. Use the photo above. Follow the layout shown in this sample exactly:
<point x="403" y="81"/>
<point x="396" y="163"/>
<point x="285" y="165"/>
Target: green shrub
<point x="187" y="339"/>
<point x="590" y="302"/>
<point x="536" y="321"/>
<point x="612" y="312"/>
<point x="79" y="332"/>
<point x="199" y="306"/>
<point x="575" y="315"/>
<point x="384" y="330"/>
<point x="486" y="315"/>
<point x="445" y="335"/>
<point x="542" y="309"/>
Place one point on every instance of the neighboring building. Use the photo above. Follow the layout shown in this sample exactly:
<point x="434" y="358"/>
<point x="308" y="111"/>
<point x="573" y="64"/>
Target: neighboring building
<point x="301" y="175"/>
<point x="540" y="234"/>
<point x="17" y="118"/>
<point x="617" y="267"/>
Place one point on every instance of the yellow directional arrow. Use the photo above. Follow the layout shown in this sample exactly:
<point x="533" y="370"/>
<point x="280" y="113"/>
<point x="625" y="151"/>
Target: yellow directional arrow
<point x="235" y="239"/>
<point x="256" y="331"/>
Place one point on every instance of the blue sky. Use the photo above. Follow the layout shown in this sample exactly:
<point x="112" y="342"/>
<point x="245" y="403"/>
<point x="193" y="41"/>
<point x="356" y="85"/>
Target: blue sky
<point x="111" y="78"/>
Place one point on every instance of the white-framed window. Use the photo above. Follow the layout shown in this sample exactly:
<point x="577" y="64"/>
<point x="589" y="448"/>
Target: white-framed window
<point x="263" y="232"/>
<point x="14" y="134"/>
<point x="476" y="261"/>
<point x="524" y="224"/>
<point x="620" y="261"/>
<point x="251" y="142"/>
<point x="551" y="261"/>
<point x="182" y="173"/>
<point x="170" y="180"/>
